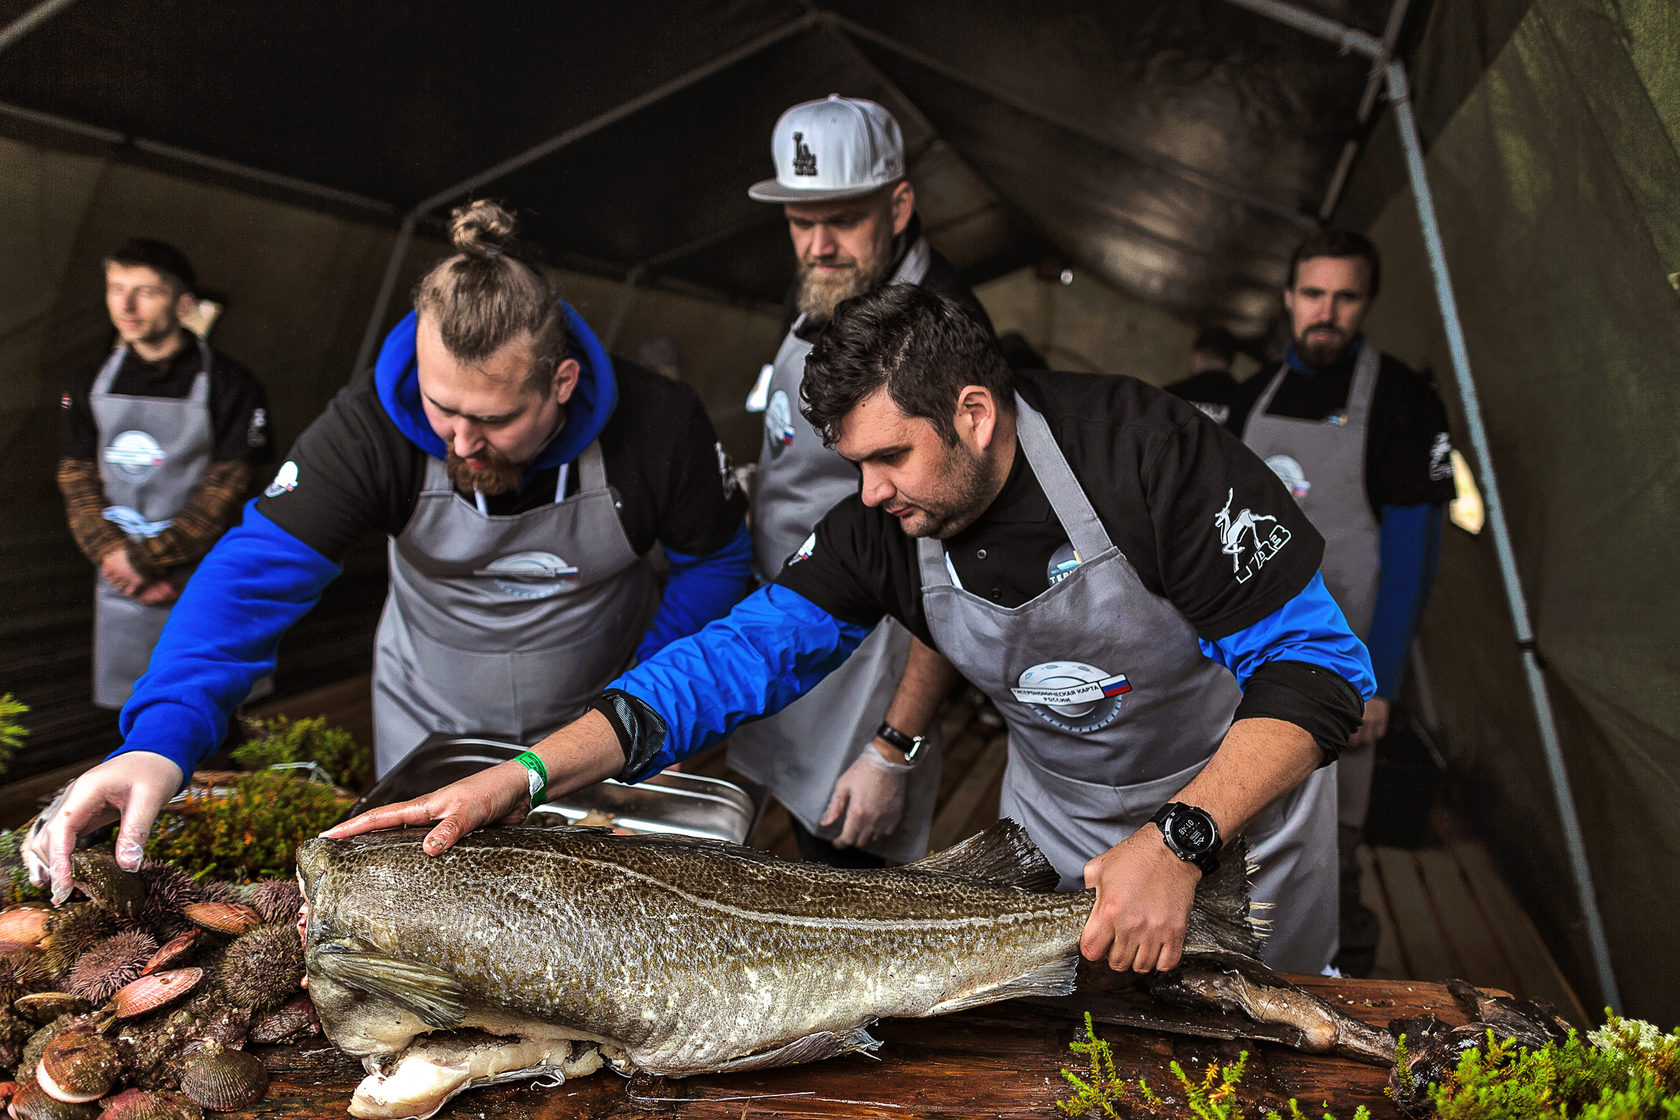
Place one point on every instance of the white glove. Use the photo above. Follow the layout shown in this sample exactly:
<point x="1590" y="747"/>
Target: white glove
<point x="870" y="798"/>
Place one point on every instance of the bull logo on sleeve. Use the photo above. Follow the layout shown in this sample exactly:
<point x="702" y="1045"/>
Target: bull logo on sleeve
<point x="1241" y="540"/>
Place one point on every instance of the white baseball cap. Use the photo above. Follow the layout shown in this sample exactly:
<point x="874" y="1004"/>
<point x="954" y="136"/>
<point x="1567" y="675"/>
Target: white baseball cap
<point x="840" y="147"/>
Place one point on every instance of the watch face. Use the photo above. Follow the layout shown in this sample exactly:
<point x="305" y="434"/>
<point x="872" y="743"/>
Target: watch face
<point x="1192" y="833"/>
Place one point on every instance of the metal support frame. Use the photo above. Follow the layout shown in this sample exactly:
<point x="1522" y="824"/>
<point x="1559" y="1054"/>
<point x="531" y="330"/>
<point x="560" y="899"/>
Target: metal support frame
<point x="30" y="20"/>
<point x="1399" y="95"/>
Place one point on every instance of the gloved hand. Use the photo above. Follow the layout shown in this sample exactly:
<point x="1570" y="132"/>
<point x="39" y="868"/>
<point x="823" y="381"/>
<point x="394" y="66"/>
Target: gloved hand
<point x="870" y="798"/>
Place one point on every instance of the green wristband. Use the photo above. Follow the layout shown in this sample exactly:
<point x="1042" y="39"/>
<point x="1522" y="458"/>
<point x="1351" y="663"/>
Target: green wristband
<point x="536" y="777"/>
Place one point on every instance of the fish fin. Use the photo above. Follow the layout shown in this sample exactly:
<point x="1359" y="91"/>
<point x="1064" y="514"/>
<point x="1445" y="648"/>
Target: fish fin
<point x="432" y="994"/>
<point x="1053" y="979"/>
<point x="1003" y="855"/>
<point x="811" y="1048"/>
<point x="1223" y="918"/>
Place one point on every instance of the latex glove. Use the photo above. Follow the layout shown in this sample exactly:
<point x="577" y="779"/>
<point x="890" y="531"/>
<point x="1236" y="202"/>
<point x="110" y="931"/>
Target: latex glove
<point x="131" y="787"/>
<point x="158" y="593"/>
<point x="1374" y="726"/>
<point x="869" y="797"/>
<point x="1144" y="893"/>
<point x="116" y="570"/>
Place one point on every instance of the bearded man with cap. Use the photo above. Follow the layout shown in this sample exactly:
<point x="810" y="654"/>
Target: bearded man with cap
<point x="1361" y="441"/>
<point x="869" y="792"/>
<point x="160" y="441"/>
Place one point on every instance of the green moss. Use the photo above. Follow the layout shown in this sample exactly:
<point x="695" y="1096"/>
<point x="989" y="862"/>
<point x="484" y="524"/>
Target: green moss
<point x="252" y="832"/>
<point x="11" y="731"/>
<point x="282" y="739"/>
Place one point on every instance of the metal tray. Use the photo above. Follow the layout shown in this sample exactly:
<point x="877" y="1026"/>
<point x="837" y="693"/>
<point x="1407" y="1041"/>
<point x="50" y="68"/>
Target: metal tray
<point x="669" y="802"/>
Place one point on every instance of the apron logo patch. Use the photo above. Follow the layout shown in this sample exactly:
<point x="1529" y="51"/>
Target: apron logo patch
<point x="805" y="549"/>
<point x="285" y="480"/>
<point x="778" y="421"/>
<point x="1062" y="564"/>
<point x="1440" y="458"/>
<point x="530" y="575"/>
<point x="1240" y="539"/>
<point x="135" y="456"/>
<point x="1292" y="475"/>
<point x="1072" y="695"/>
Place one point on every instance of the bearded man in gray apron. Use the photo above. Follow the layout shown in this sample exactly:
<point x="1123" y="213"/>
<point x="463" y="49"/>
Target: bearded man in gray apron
<point x="837" y="759"/>
<point x="1361" y="442"/>
<point x="521" y="476"/>
<point x="1130" y="586"/>
<point x="159" y="442"/>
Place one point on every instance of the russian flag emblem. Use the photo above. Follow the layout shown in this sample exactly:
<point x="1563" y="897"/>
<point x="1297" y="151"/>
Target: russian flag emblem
<point x="1116" y="686"/>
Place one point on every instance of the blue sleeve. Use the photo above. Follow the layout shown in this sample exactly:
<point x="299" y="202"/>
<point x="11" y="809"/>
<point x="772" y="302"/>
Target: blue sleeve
<point x="1310" y="628"/>
<point x="700" y="589"/>
<point x="221" y="637"/>
<point x="1409" y="547"/>
<point x="774" y="647"/>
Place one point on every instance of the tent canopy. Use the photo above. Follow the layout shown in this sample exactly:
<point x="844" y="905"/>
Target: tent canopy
<point x="1176" y="150"/>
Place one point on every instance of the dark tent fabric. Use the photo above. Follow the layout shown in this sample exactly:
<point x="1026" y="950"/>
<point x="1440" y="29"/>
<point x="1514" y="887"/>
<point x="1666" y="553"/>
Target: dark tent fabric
<point x="1174" y="152"/>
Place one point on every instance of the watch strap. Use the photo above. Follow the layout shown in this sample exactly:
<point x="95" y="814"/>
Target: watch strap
<point x="1207" y="861"/>
<point x="910" y="745"/>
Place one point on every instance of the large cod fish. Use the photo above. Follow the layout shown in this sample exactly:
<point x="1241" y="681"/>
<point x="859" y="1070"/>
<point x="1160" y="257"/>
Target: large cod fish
<point x="544" y="952"/>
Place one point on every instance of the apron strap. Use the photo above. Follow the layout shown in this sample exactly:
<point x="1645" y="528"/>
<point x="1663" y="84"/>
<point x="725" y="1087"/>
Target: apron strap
<point x="1067" y="498"/>
<point x="1363" y="386"/>
<point x="1265" y="400"/>
<point x="108" y="372"/>
<point x="592" y="471"/>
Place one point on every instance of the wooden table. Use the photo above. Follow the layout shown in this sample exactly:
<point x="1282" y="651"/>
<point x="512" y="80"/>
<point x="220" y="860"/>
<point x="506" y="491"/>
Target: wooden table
<point x="1004" y="1060"/>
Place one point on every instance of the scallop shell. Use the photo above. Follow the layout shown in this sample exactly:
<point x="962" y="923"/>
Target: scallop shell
<point x="231" y="918"/>
<point x="33" y="1103"/>
<point x="24" y="925"/>
<point x="223" y="1080"/>
<point x="78" y="1066"/>
<point x="177" y="950"/>
<point x="159" y="989"/>
<point x="44" y="1007"/>
<point x="143" y="1104"/>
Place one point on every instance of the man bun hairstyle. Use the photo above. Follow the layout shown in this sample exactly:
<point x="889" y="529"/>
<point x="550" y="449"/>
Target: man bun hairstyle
<point x="922" y="347"/>
<point x="489" y="294"/>
<point x="1339" y="243"/>
<point x="159" y="256"/>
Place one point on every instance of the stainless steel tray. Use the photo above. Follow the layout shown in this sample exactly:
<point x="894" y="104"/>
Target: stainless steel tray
<point x="669" y="802"/>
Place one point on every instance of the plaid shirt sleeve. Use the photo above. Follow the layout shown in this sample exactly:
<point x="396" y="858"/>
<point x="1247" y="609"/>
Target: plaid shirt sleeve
<point x="208" y="514"/>
<point x="84" y="501"/>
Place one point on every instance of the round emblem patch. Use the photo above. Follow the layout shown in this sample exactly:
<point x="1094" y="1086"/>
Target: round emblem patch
<point x="1072" y="695"/>
<point x="135" y="456"/>
<point x="1291" y="473"/>
<point x="778" y="420"/>
<point x="1062" y="564"/>
<point x="531" y="575"/>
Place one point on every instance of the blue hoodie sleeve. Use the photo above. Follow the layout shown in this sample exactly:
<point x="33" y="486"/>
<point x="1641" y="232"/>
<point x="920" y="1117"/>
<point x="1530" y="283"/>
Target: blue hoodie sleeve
<point x="221" y="637"/>
<point x="1309" y="628"/>
<point x="1409" y="545"/>
<point x="774" y="647"/>
<point x="700" y="589"/>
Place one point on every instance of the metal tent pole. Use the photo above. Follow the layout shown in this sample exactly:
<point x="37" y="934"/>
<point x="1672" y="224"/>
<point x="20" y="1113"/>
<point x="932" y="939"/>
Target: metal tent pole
<point x="30" y="20"/>
<point x="387" y="286"/>
<point x="1400" y="96"/>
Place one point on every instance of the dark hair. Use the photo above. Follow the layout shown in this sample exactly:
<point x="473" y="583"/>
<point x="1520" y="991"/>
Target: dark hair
<point x="1339" y="243"/>
<point x="159" y="256"/>
<point x="921" y="346"/>
<point x="486" y="295"/>
<point x="1216" y="341"/>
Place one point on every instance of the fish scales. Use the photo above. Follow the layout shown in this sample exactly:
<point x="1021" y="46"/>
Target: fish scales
<point x="676" y="957"/>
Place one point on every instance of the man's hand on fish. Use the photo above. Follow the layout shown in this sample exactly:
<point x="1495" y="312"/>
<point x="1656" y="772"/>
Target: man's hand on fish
<point x="584" y="751"/>
<point x="1144" y="894"/>
<point x="869" y="797"/>
<point x="132" y="787"/>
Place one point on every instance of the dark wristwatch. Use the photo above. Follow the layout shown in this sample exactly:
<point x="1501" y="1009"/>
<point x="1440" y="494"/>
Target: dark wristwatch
<point x="1190" y="834"/>
<point x="893" y="737"/>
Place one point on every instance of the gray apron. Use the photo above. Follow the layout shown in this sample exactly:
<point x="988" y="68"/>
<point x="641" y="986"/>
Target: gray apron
<point x="1098" y="679"/>
<point x="799" y="753"/>
<point x="1323" y="464"/>
<point x="154" y="452"/>
<point x="505" y="626"/>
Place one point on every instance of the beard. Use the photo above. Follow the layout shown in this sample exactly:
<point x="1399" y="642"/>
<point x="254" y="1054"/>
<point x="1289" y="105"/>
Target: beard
<point x="497" y="476"/>
<point x="1324" y="351"/>
<point x="967" y="483"/>
<point x="821" y="292"/>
